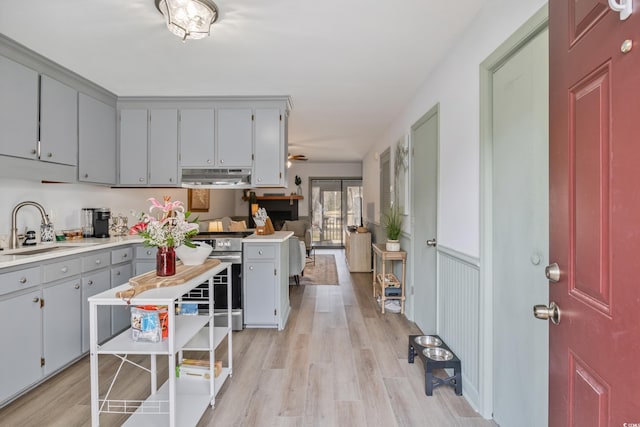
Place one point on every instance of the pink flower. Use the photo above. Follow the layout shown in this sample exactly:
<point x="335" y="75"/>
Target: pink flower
<point x="138" y="228"/>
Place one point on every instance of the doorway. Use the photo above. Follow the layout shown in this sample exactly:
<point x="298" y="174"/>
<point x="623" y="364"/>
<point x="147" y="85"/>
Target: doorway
<point x="515" y="226"/>
<point x="335" y="203"/>
<point x="425" y="141"/>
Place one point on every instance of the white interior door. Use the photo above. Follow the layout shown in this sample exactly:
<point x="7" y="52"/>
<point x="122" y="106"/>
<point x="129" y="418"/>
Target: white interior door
<point x="520" y="235"/>
<point x="424" y="167"/>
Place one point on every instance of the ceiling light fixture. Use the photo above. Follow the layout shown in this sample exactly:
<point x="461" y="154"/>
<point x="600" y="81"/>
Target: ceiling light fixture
<point x="188" y="19"/>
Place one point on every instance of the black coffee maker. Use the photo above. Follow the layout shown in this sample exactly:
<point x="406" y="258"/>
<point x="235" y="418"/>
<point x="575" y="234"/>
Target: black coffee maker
<point x="101" y="218"/>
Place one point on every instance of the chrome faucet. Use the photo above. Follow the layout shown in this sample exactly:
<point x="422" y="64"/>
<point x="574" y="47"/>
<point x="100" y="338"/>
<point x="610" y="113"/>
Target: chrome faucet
<point x="13" y="243"/>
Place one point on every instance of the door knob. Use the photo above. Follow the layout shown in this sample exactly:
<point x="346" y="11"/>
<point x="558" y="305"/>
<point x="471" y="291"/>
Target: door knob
<point x="432" y="242"/>
<point x="552" y="272"/>
<point x="547" y="313"/>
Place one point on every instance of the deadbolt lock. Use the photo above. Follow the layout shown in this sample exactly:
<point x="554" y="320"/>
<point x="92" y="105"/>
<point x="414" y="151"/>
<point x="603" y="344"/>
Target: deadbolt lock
<point x="552" y="272"/>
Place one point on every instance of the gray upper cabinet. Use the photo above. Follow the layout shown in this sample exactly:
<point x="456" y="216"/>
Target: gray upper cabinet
<point x="234" y="142"/>
<point x="163" y="147"/>
<point x="97" y="141"/>
<point x="269" y="149"/>
<point x="197" y="137"/>
<point x="133" y="147"/>
<point x="18" y="109"/>
<point x="58" y="122"/>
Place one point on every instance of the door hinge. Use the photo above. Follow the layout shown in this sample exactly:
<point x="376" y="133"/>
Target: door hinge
<point x="253" y="117"/>
<point x="253" y="156"/>
<point x="41" y="362"/>
<point x="41" y="302"/>
<point x="280" y="117"/>
<point x="280" y="175"/>
<point x="275" y="311"/>
<point x="275" y="272"/>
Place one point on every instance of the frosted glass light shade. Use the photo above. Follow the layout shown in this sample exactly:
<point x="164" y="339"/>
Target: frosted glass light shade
<point x="188" y="19"/>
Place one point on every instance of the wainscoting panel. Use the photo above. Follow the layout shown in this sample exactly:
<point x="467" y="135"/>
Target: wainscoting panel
<point x="459" y="314"/>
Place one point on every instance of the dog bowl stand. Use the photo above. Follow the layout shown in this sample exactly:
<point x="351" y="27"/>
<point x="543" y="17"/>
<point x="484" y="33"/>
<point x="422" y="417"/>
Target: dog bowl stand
<point x="430" y="380"/>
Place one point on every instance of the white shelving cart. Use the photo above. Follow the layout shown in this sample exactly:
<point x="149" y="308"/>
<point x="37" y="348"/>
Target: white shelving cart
<point x="179" y="401"/>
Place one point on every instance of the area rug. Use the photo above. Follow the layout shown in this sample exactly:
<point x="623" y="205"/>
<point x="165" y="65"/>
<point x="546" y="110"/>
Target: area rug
<point x="324" y="272"/>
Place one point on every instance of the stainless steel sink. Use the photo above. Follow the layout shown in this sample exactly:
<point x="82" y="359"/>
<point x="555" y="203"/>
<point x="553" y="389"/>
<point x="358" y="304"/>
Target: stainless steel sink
<point x="36" y="251"/>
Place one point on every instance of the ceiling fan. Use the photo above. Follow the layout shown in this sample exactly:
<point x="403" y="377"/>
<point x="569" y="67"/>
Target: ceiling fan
<point x="297" y="157"/>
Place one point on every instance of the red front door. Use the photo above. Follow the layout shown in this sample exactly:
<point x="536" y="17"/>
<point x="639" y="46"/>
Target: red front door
<point x="594" y="88"/>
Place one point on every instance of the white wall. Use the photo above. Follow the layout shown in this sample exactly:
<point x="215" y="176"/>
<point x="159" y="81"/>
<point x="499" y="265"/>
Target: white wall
<point x="64" y="202"/>
<point x="305" y="170"/>
<point x="455" y="85"/>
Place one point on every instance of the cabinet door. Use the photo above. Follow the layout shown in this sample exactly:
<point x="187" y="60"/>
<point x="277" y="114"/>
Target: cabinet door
<point x="120" y="314"/>
<point x="97" y="141"/>
<point x="197" y="137"/>
<point x="259" y="296"/>
<point x="269" y="148"/>
<point x="163" y="147"/>
<point x="18" y="109"/>
<point x="93" y="284"/>
<point x="21" y="335"/>
<point x="58" y="122"/>
<point x="234" y="138"/>
<point x="61" y="324"/>
<point x="133" y="147"/>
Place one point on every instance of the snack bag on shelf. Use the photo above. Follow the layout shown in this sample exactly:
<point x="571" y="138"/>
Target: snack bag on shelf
<point x="149" y="323"/>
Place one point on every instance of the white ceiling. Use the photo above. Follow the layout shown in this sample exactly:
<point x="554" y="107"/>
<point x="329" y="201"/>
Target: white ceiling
<point x="350" y="66"/>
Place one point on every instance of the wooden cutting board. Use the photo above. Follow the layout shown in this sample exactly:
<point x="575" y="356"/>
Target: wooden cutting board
<point x="150" y="280"/>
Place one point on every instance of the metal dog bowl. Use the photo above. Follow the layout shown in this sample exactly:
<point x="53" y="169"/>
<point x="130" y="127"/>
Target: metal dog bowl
<point x="439" y="354"/>
<point x="427" y="341"/>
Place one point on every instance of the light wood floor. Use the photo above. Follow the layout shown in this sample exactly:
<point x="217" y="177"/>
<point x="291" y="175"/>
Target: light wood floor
<point x="339" y="362"/>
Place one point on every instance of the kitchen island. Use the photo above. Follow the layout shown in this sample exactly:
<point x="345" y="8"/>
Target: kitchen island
<point x="266" y="280"/>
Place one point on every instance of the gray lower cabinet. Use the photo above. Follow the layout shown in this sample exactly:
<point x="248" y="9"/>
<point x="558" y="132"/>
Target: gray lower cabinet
<point x="93" y="284"/>
<point x="121" y="272"/>
<point x="96" y="141"/>
<point x="61" y="324"/>
<point x="266" y="284"/>
<point x="18" y="109"/>
<point x="21" y="335"/>
<point x="145" y="260"/>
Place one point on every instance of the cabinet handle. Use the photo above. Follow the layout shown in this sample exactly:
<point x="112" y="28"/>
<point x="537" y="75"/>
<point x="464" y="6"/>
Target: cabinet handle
<point x="23" y="280"/>
<point x="64" y="269"/>
<point x="49" y="155"/>
<point x="148" y="252"/>
<point x="117" y="273"/>
<point x="260" y="252"/>
<point x="76" y="286"/>
<point x="251" y="267"/>
<point x="90" y="282"/>
<point x="170" y="179"/>
<point x="141" y="179"/>
<point x="34" y="151"/>
<point x="259" y="179"/>
<point x="208" y="160"/>
<point x="86" y="175"/>
<point x="124" y="256"/>
<point x="98" y="261"/>
<point x="36" y="299"/>
<point x="221" y="161"/>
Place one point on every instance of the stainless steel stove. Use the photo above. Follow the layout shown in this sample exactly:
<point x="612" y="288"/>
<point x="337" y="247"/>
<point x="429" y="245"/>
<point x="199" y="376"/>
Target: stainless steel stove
<point x="227" y="247"/>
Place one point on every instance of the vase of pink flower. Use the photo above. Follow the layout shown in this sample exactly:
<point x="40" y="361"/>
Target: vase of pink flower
<point x="166" y="226"/>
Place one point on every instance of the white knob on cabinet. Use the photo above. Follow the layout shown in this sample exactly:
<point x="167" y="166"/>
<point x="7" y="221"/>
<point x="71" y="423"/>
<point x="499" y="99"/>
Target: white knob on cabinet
<point x="76" y="287"/>
<point x="141" y="179"/>
<point x="23" y="280"/>
<point x="260" y="252"/>
<point x="64" y="269"/>
<point x="251" y="267"/>
<point x="98" y="261"/>
<point x="208" y="160"/>
<point x="90" y="282"/>
<point x="148" y="252"/>
<point x="36" y="299"/>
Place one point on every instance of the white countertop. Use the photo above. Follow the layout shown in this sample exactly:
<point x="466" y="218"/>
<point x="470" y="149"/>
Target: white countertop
<point x="277" y="237"/>
<point x="63" y="248"/>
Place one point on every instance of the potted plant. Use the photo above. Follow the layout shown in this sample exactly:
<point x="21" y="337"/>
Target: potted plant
<point x="393" y="228"/>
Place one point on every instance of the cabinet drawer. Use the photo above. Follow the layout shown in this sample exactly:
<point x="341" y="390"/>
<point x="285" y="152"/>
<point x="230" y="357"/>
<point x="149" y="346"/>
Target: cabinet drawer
<point x="260" y="252"/>
<point x="121" y="274"/>
<point x="121" y="255"/>
<point x="17" y="280"/>
<point x="60" y="270"/>
<point x="145" y="253"/>
<point x="95" y="261"/>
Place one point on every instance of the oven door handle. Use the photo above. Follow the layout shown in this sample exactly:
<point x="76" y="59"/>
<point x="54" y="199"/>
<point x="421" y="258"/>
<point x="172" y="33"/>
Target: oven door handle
<point x="233" y="258"/>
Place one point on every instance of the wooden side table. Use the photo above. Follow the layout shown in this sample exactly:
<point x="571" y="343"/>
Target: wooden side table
<point x="384" y="280"/>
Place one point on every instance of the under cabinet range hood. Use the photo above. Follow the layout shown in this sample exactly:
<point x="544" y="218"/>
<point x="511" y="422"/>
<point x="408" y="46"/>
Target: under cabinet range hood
<point x="216" y="178"/>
